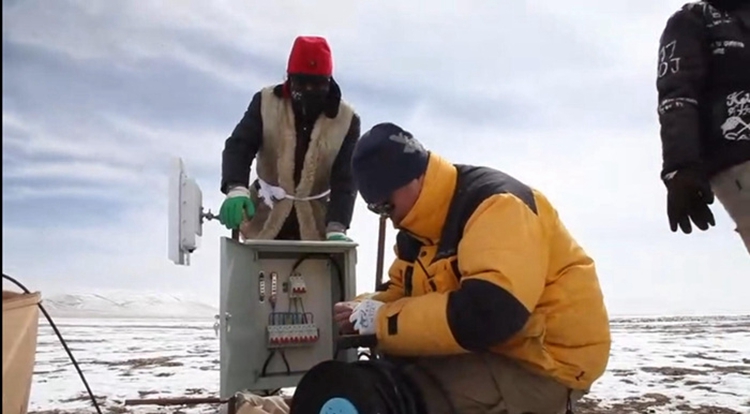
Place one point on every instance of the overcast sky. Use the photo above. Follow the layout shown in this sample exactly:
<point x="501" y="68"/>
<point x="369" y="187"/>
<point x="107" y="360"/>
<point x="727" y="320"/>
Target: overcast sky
<point x="98" y="95"/>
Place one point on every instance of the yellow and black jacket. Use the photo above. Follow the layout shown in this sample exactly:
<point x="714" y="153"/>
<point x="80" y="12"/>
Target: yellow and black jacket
<point x="485" y="264"/>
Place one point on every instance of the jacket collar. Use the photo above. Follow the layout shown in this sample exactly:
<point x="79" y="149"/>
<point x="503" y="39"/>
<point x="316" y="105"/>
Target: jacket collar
<point x="427" y="217"/>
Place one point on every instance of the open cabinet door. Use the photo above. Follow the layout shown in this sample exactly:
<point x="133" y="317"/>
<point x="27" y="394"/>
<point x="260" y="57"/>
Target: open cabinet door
<point x="20" y="328"/>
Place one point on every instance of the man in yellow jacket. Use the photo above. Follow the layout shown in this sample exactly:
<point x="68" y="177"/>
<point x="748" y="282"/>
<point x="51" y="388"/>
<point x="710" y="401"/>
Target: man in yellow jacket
<point x="489" y="291"/>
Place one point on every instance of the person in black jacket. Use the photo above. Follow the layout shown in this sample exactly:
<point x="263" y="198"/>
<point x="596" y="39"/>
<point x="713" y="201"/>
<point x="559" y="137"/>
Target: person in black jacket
<point x="703" y="85"/>
<point x="301" y="134"/>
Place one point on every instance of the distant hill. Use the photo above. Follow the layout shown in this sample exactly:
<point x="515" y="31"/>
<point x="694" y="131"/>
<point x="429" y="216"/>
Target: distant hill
<point x="126" y="305"/>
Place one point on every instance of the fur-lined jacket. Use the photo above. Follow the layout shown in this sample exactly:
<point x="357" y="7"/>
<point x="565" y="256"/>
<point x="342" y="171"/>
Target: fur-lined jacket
<point x="304" y="158"/>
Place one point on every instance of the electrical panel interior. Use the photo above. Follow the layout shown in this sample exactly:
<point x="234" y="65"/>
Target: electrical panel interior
<point x="276" y="310"/>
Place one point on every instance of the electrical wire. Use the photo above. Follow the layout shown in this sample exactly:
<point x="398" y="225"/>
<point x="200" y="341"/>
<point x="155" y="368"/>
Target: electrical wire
<point x="295" y="302"/>
<point x="274" y="320"/>
<point x="62" y="341"/>
<point x="340" y="275"/>
<point x="391" y="390"/>
<point x="264" y="372"/>
<point x="329" y="257"/>
<point x="272" y="392"/>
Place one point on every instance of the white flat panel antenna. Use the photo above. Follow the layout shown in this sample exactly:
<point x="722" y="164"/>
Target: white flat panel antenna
<point x="185" y="214"/>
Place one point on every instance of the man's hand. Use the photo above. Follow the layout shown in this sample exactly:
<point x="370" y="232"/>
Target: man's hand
<point x="341" y="313"/>
<point x="364" y="316"/>
<point x="688" y="197"/>
<point x="236" y="207"/>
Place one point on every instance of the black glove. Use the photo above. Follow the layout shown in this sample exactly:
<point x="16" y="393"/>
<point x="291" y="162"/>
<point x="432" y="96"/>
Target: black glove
<point x="688" y="197"/>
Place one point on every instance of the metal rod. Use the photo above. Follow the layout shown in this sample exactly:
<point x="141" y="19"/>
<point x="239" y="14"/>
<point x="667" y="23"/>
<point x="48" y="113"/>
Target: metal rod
<point x="381" y="253"/>
<point x="176" y="401"/>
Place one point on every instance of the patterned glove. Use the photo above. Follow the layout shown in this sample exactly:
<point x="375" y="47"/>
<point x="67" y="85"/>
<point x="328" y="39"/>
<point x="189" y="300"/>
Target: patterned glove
<point x="363" y="316"/>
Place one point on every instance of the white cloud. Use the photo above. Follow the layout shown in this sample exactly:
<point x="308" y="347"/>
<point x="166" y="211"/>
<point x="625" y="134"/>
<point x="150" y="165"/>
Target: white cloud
<point x="30" y="193"/>
<point x="478" y="47"/>
<point x="584" y="69"/>
<point x="31" y="137"/>
<point x="84" y="171"/>
<point x="93" y="164"/>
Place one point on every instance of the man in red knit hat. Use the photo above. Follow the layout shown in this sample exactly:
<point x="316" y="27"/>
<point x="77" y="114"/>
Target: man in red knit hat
<point x="301" y="134"/>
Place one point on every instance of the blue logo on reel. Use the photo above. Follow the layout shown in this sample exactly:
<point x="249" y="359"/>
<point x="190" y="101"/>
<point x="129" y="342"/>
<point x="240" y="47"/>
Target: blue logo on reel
<point x="338" y="406"/>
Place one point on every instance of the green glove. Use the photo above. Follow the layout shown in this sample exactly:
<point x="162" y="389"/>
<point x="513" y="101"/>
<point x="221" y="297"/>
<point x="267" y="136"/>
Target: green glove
<point x="337" y="236"/>
<point x="237" y="202"/>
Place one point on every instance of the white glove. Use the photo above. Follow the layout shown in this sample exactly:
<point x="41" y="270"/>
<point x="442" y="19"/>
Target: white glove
<point x="363" y="316"/>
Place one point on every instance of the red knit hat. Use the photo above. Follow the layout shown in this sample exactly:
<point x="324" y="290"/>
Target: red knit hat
<point x="310" y="55"/>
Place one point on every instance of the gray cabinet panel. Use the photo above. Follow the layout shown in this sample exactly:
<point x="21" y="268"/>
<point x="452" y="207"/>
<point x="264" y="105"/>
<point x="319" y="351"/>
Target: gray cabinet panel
<point x="328" y="270"/>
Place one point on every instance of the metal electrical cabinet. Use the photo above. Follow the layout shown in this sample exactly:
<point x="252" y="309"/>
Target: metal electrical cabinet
<point x="268" y="342"/>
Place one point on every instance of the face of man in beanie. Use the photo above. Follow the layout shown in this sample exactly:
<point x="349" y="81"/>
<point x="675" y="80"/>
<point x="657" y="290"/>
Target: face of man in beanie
<point x="388" y="165"/>
<point x="400" y="202"/>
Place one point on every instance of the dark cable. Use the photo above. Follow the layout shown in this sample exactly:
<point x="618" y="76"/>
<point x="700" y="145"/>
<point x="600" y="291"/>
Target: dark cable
<point x="266" y="362"/>
<point x="339" y="272"/>
<point x="62" y="341"/>
<point x="264" y="370"/>
<point x="389" y="387"/>
<point x="272" y="392"/>
<point x="340" y="275"/>
<point x="286" y="362"/>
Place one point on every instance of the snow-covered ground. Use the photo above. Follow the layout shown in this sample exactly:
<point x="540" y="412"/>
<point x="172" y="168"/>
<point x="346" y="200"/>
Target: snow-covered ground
<point x="658" y="365"/>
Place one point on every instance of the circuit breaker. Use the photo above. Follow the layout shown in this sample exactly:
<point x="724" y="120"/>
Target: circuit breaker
<point x="276" y="310"/>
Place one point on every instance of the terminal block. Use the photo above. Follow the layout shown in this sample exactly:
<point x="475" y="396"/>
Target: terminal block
<point x="292" y="335"/>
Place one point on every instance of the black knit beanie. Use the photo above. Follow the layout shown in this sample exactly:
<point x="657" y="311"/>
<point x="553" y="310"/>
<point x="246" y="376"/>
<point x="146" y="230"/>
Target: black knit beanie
<point x="728" y="5"/>
<point x="385" y="159"/>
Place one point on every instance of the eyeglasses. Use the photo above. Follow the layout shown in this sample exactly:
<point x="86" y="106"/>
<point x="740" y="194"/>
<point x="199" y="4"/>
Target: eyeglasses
<point x="382" y="209"/>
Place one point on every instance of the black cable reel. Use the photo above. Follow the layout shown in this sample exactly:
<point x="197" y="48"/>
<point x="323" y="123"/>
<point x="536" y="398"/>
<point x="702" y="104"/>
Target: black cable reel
<point x="370" y="386"/>
<point x="374" y="386"/>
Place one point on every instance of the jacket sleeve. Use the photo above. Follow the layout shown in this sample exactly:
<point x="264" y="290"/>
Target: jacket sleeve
<point x="343" y="189"/>
<point x="682" y="67"/>
<point x="241" y="147"/>
<point x="502" y="279"/>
